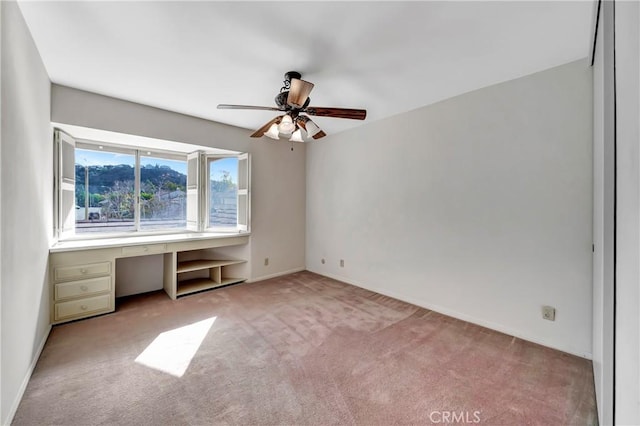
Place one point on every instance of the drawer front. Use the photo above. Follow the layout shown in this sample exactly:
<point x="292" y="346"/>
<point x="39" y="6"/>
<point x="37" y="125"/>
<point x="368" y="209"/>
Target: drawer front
<point x="82" y="307"/>
<point x="144" y="249"/>
<point x="88" y="287"/>
<point x="65" y="273"/>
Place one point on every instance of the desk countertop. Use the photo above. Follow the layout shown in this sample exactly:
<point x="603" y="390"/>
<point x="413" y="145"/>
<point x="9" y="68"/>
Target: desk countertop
<point x="98" y="243"/>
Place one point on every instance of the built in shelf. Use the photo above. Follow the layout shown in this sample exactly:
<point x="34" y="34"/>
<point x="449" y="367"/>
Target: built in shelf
<point x="200" y="284"/>
<point x="200" y="264"/>
<point x="215" y="279"/>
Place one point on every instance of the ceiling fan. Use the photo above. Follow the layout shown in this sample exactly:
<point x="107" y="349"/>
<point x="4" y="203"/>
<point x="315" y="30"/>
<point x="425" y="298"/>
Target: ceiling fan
<point x="293" y="100"/>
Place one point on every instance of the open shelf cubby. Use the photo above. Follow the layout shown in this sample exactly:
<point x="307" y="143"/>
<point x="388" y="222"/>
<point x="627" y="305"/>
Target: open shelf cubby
<point x="204" y="274"/>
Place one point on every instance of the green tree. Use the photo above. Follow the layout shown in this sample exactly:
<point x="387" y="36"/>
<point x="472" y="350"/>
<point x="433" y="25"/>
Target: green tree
<point x="95" y="200"/>
<point x="80" y="194"/>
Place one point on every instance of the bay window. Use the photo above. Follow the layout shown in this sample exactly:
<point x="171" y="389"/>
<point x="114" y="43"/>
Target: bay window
<point x="108" y="189"/>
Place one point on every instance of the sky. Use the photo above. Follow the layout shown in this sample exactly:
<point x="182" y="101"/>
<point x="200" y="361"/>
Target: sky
<point x="87" y="157"/>
<point x="224" y="164"/>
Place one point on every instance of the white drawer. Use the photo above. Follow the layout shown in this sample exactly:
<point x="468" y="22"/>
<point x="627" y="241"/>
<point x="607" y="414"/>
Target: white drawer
<point x="65" y="273"/>
<point x="88" y="287"/>
<point x="144" y="249"/>
<point x="83" y="307"/>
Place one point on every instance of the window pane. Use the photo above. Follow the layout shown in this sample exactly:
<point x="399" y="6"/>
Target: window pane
<point x="223" y="192"/>
<point x="105" y="198"/>
<point x="163" y="197"/>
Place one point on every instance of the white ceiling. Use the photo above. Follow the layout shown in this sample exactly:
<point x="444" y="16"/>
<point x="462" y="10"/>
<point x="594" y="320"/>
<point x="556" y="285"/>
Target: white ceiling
<point x="387" y="57"/>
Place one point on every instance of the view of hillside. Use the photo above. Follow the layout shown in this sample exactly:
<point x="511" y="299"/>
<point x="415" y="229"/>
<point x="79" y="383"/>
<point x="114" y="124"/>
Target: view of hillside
<point x="111" y="193"/>
<point x="102" y="180"/>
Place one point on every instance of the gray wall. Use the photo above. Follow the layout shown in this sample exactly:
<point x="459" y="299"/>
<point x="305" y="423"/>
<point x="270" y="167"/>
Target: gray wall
<point x="478" y="207"/>
<point x="27" y="206"/>
<point x="277" y="173"/>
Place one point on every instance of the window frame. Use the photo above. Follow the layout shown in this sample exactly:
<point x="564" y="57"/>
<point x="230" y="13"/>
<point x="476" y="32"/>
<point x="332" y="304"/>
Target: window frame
<point x="208" y="159"/>
<point x="160" y="154"/>
<point x="198" y="179"/>
<point x="105" y="147"/>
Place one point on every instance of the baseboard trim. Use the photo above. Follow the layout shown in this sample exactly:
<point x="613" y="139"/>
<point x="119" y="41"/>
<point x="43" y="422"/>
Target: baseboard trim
<point x="277" y="274"/>
<point x="25" y="382"/>
<point x="458" y="315"/>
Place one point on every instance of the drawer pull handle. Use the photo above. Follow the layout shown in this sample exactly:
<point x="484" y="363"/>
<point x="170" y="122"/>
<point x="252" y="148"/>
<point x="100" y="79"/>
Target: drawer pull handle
<point x="83" y="307"/>
<point x="146" y="248"/>
<point x="84" y="288"/>
<point x="83" y="271"/>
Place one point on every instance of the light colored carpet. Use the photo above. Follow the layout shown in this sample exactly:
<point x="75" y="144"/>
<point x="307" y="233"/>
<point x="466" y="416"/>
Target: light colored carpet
<point x="297" y="350"/>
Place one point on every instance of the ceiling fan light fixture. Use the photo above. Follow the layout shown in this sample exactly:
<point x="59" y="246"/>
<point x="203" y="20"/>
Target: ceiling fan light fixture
<point x="312" y="129"/>
<point x="286" y="126"/>
<point x="297" y="136"/>
<point x="272" y="132"/>
<point x="293" y="101"/>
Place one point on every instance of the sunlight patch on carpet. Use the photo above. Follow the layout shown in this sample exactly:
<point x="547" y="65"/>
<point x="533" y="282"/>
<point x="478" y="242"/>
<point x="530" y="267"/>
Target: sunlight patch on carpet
<point x="172" y="351"/>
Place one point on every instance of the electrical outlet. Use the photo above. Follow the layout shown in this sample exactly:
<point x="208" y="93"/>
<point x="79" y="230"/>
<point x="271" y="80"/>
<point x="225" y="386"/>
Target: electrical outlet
<point x="549" y="313"/>
<point x="342" y="263"/>
<point x="266" y="261"/>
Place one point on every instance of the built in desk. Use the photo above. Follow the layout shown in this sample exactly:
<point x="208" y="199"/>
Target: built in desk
<point x="82" y="272"/>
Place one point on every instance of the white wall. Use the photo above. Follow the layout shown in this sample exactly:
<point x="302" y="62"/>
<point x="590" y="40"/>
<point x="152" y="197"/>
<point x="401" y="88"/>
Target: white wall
<point x="277" y="173"/>
<point x="26" y="218"/>
<point x="627" y="341"/>
<point x="478" y="207"/>
<point x="603" y="214"/>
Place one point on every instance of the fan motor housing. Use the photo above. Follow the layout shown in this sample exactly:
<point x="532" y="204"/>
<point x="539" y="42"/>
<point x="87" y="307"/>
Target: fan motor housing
<point x="281" y="99"/>
<point x="288" y="76"/>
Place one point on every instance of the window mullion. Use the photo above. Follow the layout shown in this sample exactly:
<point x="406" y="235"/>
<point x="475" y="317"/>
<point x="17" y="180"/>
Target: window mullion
<point x="206" y="197"/>
<point x="193" y="190"/>
<point x="203" y="205"/>
<point x="136" y="191"/>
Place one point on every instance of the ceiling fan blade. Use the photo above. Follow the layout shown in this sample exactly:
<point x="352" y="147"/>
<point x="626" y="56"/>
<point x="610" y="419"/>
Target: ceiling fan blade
<point x="319" y="135"/>
<point x="299" y="92"/>
<point x="227" y="106"/>
<point x="310" y="127"/>
<point x="354" y="114"/>
<point x="258" y="133"/>
<point x="301" y="121"/>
